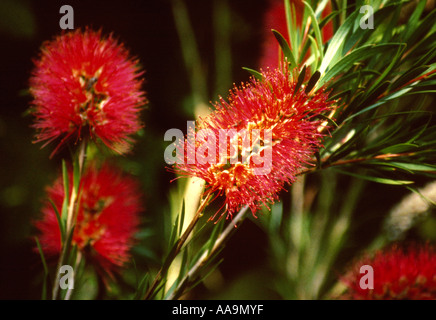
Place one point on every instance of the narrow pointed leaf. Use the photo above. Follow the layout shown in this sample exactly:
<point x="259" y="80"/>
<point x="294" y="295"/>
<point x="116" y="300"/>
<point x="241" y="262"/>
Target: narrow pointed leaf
<point x="60" y="222"/>
<point x="334" y="51"/>
<point x="316" y="28"/>
<point x="44" y="264"/>
<point x="300" y="80"/>
<point x="254" y="73"/>
<point x="313" y="80"/>
<point x="374" y="179"/>
<point x="285" y="48"/>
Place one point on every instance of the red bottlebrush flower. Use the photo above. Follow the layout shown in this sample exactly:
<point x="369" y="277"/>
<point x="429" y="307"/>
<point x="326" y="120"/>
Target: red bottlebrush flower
<point x="107" y="217"/>
<point x="275" y="18"/>
<point x="84" y="83"/>
<point x="398" y="275"/>
<point x="273" y="134"/>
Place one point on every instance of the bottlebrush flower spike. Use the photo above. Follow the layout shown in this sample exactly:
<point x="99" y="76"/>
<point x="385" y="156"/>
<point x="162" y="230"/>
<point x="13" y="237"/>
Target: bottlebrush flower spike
<point x="85" y="84"/>
<point x="398" y="275"/>
<point x="107" y="217"/>
<point x="279" y="122"/>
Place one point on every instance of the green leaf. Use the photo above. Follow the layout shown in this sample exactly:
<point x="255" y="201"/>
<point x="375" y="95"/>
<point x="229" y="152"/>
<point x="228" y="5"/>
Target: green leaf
<point x="198" y="255"/>
<point x="334" y="51"/>
<point x="44" y="264"/>
<point x="341" y="95"/>
<point x="291" y="23"/>
<point x="412" y="167"/>
<point x="407" y="77"/>
<point x="423" y="29"/>
<point x="170" y="290"/>
<point x="358" y="55"/>
<point x="66" y="193"/>
<point x="141" y="285"/>
<point x="72" y="257"/>
<point x="315" y="51"/>
<point x="76" y="175"/>
<point x="65" y="178"/>
<point x="316" y="29"/>
<point x="320" y="7"/>
<point x="390" y="27"/>
<point x="351" y="137"/>
<point x="421" y="131"/>
<point x="312" y="81"/>
<point x="398" y="148"/>
<point x="182" y="218"/>
<point x="375" y="94"/>
<point x="428" y="57"/>
<point x="387" y="70"/>
<point x="303" y="52"/>
<point x="374" y="179"/>
<point x="423" y="50"/>
<point x="397" y="94"/>
<point x="183" y="266"/>
<point x="301" y="77"/>
<point x="69" y="239"/>
<point x="256" y="74"/>
<point x="414" y="19"/>
<point x="360" y="36"/>
<point x="285" y="48"/>
<point x="216" y="231"/>
<point x="350" y="77"/>
<point x="174" y="232"/>
<point x="60" y="222"/>
<point x="200" y="279"/>
<point x="421" y="92"/>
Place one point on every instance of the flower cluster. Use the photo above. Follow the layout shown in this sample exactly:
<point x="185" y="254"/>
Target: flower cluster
<point x="398" y="275"/>
<point x="272" y="105"/>
<point x="107" y="217"/>
<point x="85" y="85"/>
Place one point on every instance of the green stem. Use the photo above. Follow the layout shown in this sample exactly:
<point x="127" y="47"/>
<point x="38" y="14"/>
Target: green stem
<point x="71" y="215"/>
<point x="78" y="260"/>
<point x="175" y="250"/>
<point x="193" y="272"/>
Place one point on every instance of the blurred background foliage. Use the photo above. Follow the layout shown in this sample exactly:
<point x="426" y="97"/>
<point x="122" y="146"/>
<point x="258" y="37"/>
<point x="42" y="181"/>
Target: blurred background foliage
<point x="219" y="38"/>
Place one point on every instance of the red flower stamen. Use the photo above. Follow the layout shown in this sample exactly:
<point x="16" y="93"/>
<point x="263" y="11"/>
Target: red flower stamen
<point x="84" y="84"/>
<point x="107" y="217"/>
<point x="257" y="109"/>
<point x="398" y="275"/>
